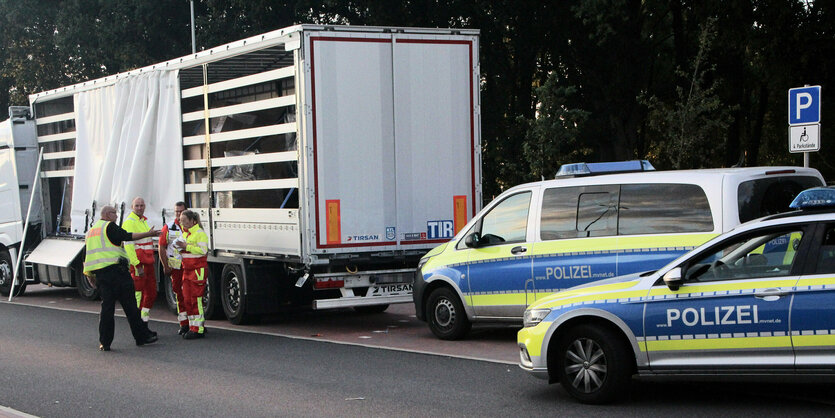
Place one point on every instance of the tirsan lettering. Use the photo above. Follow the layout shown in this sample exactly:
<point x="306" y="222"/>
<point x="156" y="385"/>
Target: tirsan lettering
<point x="721" y="315"/>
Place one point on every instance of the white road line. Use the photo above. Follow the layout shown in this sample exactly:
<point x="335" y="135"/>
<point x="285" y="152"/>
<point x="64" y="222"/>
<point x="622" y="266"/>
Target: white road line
<point x="7" y="412"/>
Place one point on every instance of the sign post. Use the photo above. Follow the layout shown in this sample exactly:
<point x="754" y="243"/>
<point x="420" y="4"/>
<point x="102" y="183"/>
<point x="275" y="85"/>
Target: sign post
<point x="804" y="120"/>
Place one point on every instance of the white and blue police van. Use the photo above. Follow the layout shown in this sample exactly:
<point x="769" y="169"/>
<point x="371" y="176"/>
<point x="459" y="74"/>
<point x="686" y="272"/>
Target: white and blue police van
<point x="596" y="222"/>
<point x="757" y="300"/>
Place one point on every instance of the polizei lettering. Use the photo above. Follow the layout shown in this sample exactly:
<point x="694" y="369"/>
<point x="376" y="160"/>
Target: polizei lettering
<point x="719" y="315"/>
<point x="569" y="272"/>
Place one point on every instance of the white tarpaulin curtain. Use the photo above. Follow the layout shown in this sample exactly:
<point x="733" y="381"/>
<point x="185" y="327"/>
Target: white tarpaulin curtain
<point x="128" y="144"/>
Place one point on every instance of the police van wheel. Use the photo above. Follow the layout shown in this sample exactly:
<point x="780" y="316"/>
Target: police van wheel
<point x="592" y="364"/>
<point x="446" y="316"/>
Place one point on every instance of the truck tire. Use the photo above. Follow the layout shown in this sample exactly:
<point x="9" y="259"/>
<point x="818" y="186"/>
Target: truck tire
<point x="85" y="289"/>
<point x="232" y="291"/>
<point x="168" y="288"/>
<point x="211" y="304"/>
<point x="211" y="300"/>
<point x="446" y="316"/>
<point x="7" y="274"/>
<point x="593" y="364"/>
<point x="373" y="309"/>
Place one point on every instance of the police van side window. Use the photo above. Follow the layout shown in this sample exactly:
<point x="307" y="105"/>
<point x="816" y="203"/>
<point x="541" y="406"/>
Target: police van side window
<point x="769" y="253"/>
<point x="663" y="209"/>
<point x="507" y="222"/>
<point x="597" y="214"/>
<point x="826" y="255"/>
<point x="574" y="212"/>
<point x="770" y="195"/>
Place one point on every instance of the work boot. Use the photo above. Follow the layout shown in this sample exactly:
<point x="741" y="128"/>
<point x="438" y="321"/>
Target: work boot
<point x="191" y="335"/>
<point x="183" y="330"/>
<point x="150" y="340"/>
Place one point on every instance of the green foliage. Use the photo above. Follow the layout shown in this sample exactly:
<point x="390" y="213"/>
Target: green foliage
<point x="686" y="84"/>
<point x="689" y="131"/>
<point x="555" y="136"/>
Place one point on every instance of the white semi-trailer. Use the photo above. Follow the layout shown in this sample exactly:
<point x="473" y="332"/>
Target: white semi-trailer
<point x="323" y="161"/>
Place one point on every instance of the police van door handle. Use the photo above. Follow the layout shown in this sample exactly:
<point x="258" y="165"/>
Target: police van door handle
<point x="770" y="294"/>
<point x="518" y="249"/>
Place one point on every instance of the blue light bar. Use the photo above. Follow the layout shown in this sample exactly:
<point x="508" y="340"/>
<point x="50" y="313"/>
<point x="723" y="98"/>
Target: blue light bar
<point x="586" y="169"/>
<point x="814" y="198"/>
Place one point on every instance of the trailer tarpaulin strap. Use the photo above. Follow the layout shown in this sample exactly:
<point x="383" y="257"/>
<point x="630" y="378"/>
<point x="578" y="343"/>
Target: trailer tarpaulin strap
<point x="129" y="144"/>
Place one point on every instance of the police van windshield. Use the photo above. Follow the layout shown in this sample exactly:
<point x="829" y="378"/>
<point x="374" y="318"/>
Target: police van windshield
<point x="769" y="196"/>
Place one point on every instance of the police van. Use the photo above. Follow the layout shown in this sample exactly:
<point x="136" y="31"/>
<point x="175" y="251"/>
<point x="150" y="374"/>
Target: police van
<point x="755" y="301"/>
<point x="539" y="238"/>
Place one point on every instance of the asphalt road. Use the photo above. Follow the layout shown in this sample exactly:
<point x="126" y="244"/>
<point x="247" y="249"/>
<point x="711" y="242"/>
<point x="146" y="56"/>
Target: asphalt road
<point x="50" y="367"/>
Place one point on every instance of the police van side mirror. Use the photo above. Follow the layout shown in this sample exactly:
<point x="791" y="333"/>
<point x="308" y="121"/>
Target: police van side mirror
<point x="673" y="279"/>
<point x="472" y="240"/>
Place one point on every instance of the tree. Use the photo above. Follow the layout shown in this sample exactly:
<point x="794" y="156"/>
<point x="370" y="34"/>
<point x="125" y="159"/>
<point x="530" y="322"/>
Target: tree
<point x="689" y="131"/>
<point x="555" y="137"/>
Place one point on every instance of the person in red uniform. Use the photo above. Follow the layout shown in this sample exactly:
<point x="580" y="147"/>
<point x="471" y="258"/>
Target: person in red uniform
<point x="194" y="249"/>
<point x="141" y="256"/>
<point x="172" y="262"/>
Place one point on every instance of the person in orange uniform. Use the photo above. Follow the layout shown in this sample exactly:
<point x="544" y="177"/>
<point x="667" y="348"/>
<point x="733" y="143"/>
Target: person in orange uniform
<point x="141" y="257"/>
<point x="172" y="262"/>
<point x="194" y="250"/>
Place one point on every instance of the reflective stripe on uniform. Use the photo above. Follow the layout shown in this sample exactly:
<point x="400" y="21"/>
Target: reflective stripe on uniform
<point x="145" y="314"/>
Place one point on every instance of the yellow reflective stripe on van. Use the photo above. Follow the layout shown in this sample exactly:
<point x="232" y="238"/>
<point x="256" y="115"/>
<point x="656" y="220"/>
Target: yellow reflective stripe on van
<point x="621" y="242"/>
<point x="716" y="343"/>
<point x="573" y="245"/>
<point x="448" y="258"/>
<point x="813" y="340"/>
<point x="677" y="240"/>
<point x="520" y="298"/>
<point x="499" y="299"/>
<point x="452" y="257"/>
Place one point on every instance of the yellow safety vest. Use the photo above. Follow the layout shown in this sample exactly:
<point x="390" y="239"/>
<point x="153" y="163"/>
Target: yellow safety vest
<point x="197" y="248"/>
<point x="100" y="251"/>
<point x="141" y="250"/>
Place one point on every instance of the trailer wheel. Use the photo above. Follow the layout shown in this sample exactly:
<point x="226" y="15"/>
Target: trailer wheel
<point x="371" y="309"/>
<point x="232" y="291"/>
<point x="168" y="288"/>
<point x="6" y="275"/>
<point x="446" y="316"/>
<point x="211" y="302"/>
<point x="82" y="284"/>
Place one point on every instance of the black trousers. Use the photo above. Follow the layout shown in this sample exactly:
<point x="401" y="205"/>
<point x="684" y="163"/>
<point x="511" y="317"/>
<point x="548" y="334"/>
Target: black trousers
<point x="114" y="283"/>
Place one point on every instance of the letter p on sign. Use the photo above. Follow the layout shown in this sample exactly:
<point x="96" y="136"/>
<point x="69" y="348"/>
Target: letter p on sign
<point x="804" y="105"/>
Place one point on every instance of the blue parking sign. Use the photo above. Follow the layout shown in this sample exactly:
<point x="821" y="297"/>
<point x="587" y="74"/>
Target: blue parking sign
<point x="804" y="105"/>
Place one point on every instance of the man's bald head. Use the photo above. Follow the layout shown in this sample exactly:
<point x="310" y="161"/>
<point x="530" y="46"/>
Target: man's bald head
<point x="138" y="206"/>
<point x="108" y="213"/>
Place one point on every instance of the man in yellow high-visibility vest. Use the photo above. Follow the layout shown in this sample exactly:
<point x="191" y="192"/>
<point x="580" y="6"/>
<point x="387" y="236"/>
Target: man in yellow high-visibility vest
<point x="105" y="263"/>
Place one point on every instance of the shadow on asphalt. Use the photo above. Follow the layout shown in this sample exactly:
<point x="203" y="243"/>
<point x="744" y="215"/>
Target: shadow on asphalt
<point x="691" y="396"/>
